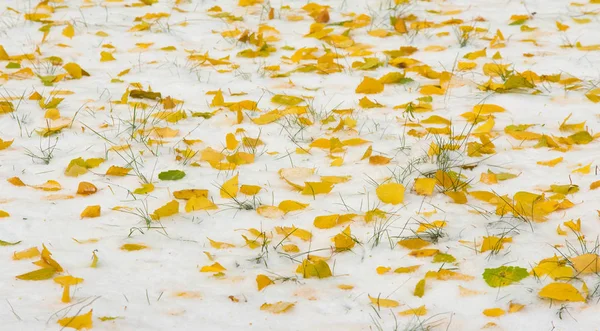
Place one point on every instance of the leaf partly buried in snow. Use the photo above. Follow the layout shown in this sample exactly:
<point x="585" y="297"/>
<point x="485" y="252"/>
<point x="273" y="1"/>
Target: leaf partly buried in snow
<point x="79" y="322"/>
<point x="561" y="292"/>
<point x="277" y="307"/>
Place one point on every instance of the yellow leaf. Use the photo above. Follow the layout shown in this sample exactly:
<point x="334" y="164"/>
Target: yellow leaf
<point x="595" y="185"/>
<point x="215" y="267"/>
<point x="4" y="214"/>
<point x="270" y="211"/>
<point x="343" y="241"/>
<point x="36" y="17"/>
<point x="326" y="221"/>
<point x="4" y="144"/>
<point x="493" y="243"/>
<point x="277" y="307"/>
<point x="313" y="188"/>
<point x="50" y="185"/>
<point x="494" y="312"/>
<point x="431" y="90"/>
<point x="406" y="270"/>
<point x="190" y="193"/>
<point x="94" y="263"/>
<point x="561" y="292"/>
<point x="199" y="203"/>
<point x="551" y="163"/>
<point x="561" y="27"/>
<point x="486" y="127"/>
<point x="250" y="189"/>
<point x="476" y="54"/>
<point x="90" y="212"/>
<point x="419" y="311"/>
<point x="382" y="270"/>
<point x="16" y="181"/>
<point x="106" y="56"/>
<point x="26" y="254"/>
<point x="317" y="268"/>
<point x="366" y="103"/>
<point x="554" y="268"/>
<point x="424" y="252"/>
<point x="420" y="288"/>
<point x="78" y="322"/>
<point x="171" y="208"/>
<point x="464" y="66"/>
<point x="414" y="243"/>
<point x="75" y="70"/>
<point x="52" y="114"/>
<point x="263" y="281"/>
<point x="433" y="225"/>
<point x="231" y="142"/>
<point x="287" y="100"/>
<point x="40" y="274"/>
<point x="48" y="260"/>
<point x="219" y="245"/>
<point x="583" y="170"/>
<point x="218" y="101"/>
<point x="117" y="171"/>
<point x="425" y="186"/>
<point x="145" y="189"/>
<point x="230" y="188"/>
<point x="384" y="303"/>
<point x="515" y="307"/>
<point x="390" y="193"/>
<point x="485" y="109"/>
<point x="586" y="263"/>
<point x="457" y="197"/>
<point x="290" y="205"/>
<point x="369" y="86"/>
<point x="465" y="292"/>
<point x="133" y="247"/>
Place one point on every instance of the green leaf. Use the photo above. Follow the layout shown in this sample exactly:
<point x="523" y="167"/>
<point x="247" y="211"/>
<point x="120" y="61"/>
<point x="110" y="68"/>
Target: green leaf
<point x="6" y="243"/>
<point x="518" y="22"/>
<point x="47" y="80"/>
<point x="171" y="175"/>
<point x="406" y="80"/>
<point x="204" y="115"/>
<point x="140" y="94"/>
<point x="517" y="128"/>
<point x="341" y="23"/>
<point x="287" y="100"/>
<point x="13" y="65"/>
<point x="504" y="276"/>
<point x="443" y="258"/>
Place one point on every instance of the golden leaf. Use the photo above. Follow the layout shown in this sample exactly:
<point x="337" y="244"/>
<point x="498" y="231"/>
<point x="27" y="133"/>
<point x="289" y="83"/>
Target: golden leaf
<point x="277" y="307"/>
<point x="390" y="193"/>
<point x="90" y="212"/>
<point x="78" y="322"/>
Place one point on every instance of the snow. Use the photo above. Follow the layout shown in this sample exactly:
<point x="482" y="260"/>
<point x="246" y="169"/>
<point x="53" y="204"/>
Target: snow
<point x="141" y="287"/>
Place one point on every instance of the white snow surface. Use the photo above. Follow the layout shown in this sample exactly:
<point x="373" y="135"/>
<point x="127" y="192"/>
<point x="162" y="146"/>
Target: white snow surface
<point x="140" y="287"/>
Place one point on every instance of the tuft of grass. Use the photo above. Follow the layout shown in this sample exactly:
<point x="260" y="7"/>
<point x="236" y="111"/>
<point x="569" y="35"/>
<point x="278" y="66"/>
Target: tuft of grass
<point x="45" y="151"/>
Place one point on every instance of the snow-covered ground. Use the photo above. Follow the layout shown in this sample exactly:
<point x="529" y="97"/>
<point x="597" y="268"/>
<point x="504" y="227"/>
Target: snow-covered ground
<point x="291" y="165"/>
